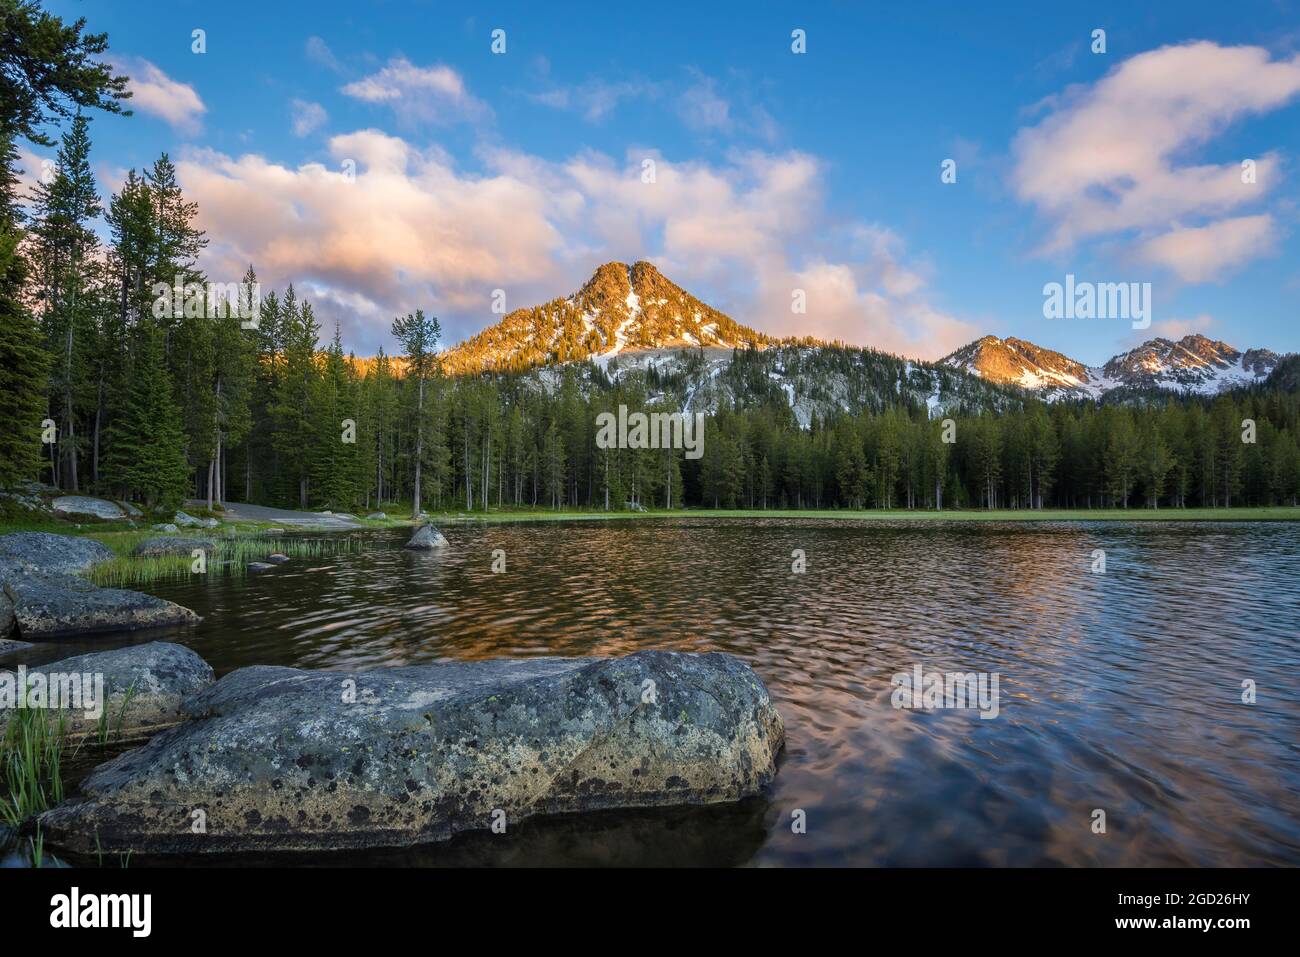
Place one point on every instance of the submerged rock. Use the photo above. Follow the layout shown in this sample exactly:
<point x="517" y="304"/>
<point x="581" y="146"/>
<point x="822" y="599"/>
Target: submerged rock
<point x="282" y="759"/>
<point x="426" y="536"/>
<point x="55" y="553"/>
<point x="87" y="505"/>
<point x="49" y="604"/>
<point x="161" y="547"/>
<point x="259" y="566"/>
<point x="143" y="688"/>
<point x="8" y="644"/>
<point x="279" y="558"/>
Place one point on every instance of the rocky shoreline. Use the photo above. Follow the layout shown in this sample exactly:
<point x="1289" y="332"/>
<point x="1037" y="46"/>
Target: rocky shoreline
<point x="279" y="759"/>
<point x="41" y="595"/>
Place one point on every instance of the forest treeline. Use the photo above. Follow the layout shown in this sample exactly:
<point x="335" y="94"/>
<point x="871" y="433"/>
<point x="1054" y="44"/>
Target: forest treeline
<point x="155" y="399"/>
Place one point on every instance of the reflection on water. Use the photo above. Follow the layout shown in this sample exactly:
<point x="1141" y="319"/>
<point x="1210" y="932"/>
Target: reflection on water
<point x="1119" y="691"/>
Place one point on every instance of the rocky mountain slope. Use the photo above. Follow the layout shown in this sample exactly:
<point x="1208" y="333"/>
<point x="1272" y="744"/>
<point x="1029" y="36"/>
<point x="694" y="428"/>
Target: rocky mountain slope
<point x="631" y="321"/>
<point x="620" y="308"/>
<point x="1194" y="363"/>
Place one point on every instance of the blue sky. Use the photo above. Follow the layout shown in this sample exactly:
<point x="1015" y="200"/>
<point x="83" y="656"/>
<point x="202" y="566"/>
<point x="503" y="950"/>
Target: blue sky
<point x="774" y="171"/>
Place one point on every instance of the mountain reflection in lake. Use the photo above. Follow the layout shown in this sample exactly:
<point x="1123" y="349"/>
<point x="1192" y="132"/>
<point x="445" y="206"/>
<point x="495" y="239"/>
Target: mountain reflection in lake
<point x="1119" y="691"/>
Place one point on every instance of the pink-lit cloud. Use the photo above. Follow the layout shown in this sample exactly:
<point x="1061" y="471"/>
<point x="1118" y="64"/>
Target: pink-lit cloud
<point x="1112" y="159"/>
<point x="154" y="92"/>
<point x="386" y="227"/>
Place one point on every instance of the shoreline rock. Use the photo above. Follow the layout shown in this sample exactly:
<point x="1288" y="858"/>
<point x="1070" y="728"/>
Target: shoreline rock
<point x="52" y="605"/>
<point x="40" y="599"/>
<point x="87" y="505"/>
<point x="426" y="537"/>
<point x="281" y="759"/>
<point x="144" y="687"/>
<point x="54" y="553"/>
<point x="189" y="521"/>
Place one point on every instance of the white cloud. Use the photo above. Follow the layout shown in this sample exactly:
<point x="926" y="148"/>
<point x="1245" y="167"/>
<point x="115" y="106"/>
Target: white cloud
<point x="1205" y="253"/>
<point x="153" y="91"/>
<point x="1111" y="159"/>
<point x="701" y="108"/>
<point x="419" y="94"/>
<point x="596" y="99"/>
<point x="413" y="230"/>
<point x="318" y="51"/>
<point x="1176" y="328"/>
<point x="307" y="117"/>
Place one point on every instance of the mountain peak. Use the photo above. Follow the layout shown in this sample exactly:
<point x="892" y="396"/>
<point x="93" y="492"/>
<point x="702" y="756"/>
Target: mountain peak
<point x="620" y="308"/>
<point x="1018" y="362"/>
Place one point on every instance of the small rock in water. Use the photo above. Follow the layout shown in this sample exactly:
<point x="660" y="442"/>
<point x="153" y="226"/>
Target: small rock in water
<point x="427" y="537"/>
<point x="277" y="557"/>
<point x="8" y="644"/>
<point x="258" y="566"/>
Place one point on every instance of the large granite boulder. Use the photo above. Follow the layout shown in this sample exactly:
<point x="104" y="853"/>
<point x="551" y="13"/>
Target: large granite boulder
<point x="282" y="759"/>
<point x="54" y="553"/>
<point x="87" y="505"/>
<point x="426" y="537"/>
<point x="165" y="546"/>
<point x="50" y="605"/>
<point x="143" y="687"/>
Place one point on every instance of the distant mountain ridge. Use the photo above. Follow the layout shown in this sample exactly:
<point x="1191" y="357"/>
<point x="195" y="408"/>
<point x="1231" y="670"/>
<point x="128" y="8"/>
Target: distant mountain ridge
<point x="630" y="319"/>
<point x="1194" y="363"/>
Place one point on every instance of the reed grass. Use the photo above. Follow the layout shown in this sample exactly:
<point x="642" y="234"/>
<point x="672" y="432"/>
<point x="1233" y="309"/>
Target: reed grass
<point x="230" y="559"/>
<point x="32" y="752"/>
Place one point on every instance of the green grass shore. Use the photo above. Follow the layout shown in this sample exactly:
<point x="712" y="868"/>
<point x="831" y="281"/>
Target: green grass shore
<point x="1262" y="514"/>
<point x="121" y="536"/>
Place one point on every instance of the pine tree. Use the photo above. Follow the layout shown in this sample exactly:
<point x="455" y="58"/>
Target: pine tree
<point x="147" y="450"/>
<point x="48" y="68"/>
<point x="63" y="247"/>
<point x="419" y="337"/>
<point x="22" y="360"/>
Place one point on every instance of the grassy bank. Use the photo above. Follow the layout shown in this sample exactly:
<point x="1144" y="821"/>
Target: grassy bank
<point x="1263" y="514"/>
<point x="235" y="546"/>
